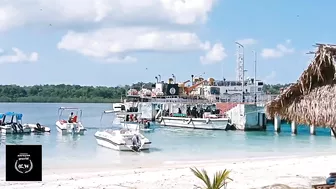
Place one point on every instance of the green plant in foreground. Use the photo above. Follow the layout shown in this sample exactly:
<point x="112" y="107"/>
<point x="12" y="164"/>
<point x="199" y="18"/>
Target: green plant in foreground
<point x="219" y="180"/>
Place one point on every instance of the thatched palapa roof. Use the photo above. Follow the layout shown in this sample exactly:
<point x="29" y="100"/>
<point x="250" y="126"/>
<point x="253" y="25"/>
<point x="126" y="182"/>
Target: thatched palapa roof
<point x="312" y="99"/>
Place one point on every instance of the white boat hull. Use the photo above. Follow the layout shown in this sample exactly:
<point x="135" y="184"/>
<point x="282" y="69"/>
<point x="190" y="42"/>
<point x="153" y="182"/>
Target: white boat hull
<point x="34" y="128"/>
<point x="119" y="145"/>
<point x="70" y="128"/>
<point x="9" y="130"/>
<point x="195" y="123"/>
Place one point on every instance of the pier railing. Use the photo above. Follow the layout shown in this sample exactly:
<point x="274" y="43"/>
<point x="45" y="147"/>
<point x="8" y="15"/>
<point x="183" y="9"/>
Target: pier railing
<point x="249" y="98"/>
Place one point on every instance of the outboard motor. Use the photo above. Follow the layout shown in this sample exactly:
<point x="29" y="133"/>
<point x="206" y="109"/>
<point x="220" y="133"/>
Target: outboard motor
<point x="136" y="143"/>
<point x="14" y="128"/>
<point x="20" y="127"/>
<point x="39" y="127"/>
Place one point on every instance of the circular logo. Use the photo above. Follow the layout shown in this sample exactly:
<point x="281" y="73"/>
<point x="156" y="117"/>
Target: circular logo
<point x="172" y="90"/>
<point x="23" y="164"/>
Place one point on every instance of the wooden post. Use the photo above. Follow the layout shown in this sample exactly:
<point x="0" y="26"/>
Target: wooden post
<point x="312" y="130"/>
<point x="294" y="127"/>
<point x="277" y="124"/>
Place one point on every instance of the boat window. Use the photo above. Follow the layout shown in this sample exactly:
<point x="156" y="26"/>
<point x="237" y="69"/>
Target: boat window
<point x="214" y="91"/>
<point x="260" y="83"/>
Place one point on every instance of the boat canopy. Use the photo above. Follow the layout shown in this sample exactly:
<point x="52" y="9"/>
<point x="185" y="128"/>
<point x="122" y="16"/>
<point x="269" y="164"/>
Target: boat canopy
<point x="120" y="112"/>
<point x="129" y="113"/>
<point x="61" y="109"/>
<point x="17" y="115"/>
<point x="109" y="111"/>
<point x="69" y="108"/>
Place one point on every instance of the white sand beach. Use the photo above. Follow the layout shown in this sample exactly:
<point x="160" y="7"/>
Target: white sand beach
<point x="248" y="173"/>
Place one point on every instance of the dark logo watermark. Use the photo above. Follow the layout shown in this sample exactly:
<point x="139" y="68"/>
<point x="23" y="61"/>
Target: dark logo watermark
<point x="23" y="162"/>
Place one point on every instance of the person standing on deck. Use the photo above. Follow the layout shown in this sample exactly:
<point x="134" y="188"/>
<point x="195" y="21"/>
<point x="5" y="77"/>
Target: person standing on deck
<point x="70" y="117"/>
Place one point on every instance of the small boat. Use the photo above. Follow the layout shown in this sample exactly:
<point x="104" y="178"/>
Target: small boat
<point x="74" y="126"/>
<point x="130" y="120"/>
<point x="122" y="140"/>
<point x="38" y="128"/>
<point x="11" y="123"/>
<point x="209" y="122"/>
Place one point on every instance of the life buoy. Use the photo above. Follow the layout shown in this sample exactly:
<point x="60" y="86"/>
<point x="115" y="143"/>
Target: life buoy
<point x="160" y="119"/>
<point x="207" y="120"/>
<point x="189" y="121"/>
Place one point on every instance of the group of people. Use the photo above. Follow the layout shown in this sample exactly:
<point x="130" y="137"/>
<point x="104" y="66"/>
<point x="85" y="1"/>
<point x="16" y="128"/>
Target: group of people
<point x="132" y="118"/>
<point x="192" y="112"/>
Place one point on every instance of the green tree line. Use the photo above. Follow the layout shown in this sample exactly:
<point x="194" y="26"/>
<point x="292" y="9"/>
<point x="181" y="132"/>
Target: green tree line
<point x="78" y="94"/>
<point x="274" y="89"/>
<point x="65" y="93"/>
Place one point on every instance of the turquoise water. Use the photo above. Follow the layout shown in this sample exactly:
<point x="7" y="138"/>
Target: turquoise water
<point x="169" y="144"/>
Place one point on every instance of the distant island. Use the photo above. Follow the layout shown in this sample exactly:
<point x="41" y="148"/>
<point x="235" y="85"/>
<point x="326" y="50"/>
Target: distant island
<point x="81" y="94"/>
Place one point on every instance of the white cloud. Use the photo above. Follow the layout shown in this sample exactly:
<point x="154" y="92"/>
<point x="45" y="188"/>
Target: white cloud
<point x="247" y="41"/>
<point x="115" y="28"/>
<point x="111" y="12"/>
<point x="18" y="56"/>
<point x="214" y="55"/>
<point x="279" y="51"/>
<point x="110" y="43"/>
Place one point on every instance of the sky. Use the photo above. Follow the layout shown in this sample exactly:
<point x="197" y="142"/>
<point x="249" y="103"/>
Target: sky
<point x="118" y="42"/>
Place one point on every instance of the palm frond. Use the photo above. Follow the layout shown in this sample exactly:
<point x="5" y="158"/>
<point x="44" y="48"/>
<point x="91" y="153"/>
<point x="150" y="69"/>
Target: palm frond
<point x="202" y="175"/>
<point x="219" y="180"/>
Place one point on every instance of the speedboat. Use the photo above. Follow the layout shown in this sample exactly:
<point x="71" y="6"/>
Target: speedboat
<point x="122" y="140"/>
<point x="38" y="128"/>
<point x="74" y="126"/>
<point x="11" y="123"/>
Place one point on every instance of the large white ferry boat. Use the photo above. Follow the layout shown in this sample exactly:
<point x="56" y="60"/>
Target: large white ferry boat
<point x="199" y="91"/>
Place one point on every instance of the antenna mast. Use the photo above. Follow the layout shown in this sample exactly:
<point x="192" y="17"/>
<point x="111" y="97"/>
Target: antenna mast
<point x="240" y="63"/>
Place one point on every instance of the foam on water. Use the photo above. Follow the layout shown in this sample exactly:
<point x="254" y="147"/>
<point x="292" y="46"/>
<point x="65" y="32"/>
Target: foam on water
<point x="170" y="145"/>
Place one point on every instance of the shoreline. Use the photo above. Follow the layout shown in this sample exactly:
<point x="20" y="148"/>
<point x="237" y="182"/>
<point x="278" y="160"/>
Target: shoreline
<point x="58" y="102"/>
<point x="246" y="173"/>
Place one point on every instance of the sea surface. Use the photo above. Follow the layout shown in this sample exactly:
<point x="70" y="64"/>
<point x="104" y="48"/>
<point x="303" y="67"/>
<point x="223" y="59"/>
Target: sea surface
<point x="169" y="144"/>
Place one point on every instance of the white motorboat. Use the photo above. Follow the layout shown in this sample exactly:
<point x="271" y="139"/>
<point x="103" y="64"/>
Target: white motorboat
<point x="11" y="123"/>
<point x="38" y="128"/>
<point x="73" y="126"/>
<point x="122" y="140"/>
<point x="196" y="123"/>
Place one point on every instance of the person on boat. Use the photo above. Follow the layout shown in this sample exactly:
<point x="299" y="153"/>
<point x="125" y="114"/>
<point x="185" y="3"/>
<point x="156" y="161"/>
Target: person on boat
<point x="70" y="117"/>
<point x="179" y="111"/>
<point x="194" y="112"/>
<point x="201" y="112"/>
<point x="146" y="124"/>
<point x="131" y="117"/>
<point x="188" y="111"/>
